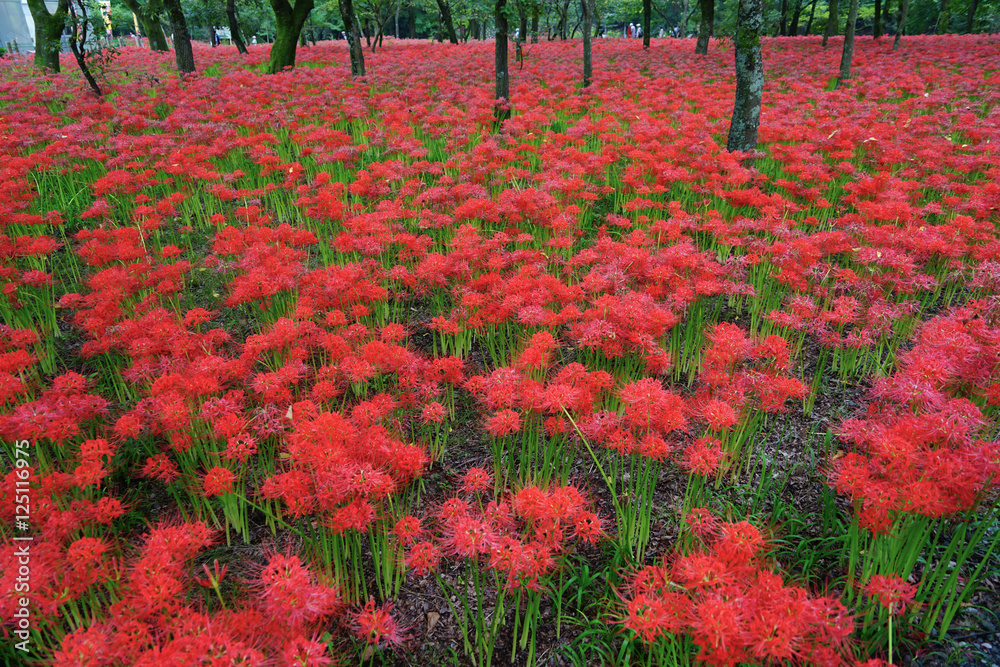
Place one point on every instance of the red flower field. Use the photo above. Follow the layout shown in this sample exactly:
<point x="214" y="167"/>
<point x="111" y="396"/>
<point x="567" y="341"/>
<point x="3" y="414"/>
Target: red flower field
<point x="306" y="370"/>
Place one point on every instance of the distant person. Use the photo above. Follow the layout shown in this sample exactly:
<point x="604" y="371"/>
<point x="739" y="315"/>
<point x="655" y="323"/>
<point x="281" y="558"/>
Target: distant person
<point x="253" y="40"/>
<point x="638" y="31"/>
<point x="630" y="30"/>
<point x="661" y="33"/>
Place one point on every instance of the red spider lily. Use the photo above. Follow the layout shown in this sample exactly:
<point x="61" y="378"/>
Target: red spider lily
<point x="892" y="592"/>
<point x="376" y="626"/>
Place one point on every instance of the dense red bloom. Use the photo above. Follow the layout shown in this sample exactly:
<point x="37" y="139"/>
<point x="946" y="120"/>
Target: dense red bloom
<point x="375" y="625"/>
<point x="892" y="592"/>
<point x="218" y="482"/>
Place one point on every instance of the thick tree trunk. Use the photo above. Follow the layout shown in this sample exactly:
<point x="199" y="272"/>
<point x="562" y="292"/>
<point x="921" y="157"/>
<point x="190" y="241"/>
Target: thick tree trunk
<point x="48" y="33"/>
<point x="793" y="29"/>
<point x="706" y="27"/>
<point x="586" y="7"/>
<point x="831" y="21"/>
<point x="971" y="16"/>
<point x="782" y="26"/>
<point x="749" y="76"/>
<point x="149" y="18"/>
<point x="848" y="53"/>
<point x="904" y="8"/>
<point x="877" y="25"/>
<point x="182" y="38"/>
<point x="534" y="24"/>
<point x="353" y="38"/>
<point x="449" y="25"/>
<point x="289" y="21"/>
<point x="234" y="27"/>
<point x="647" y="22"/>
<point x="501" y="111"/>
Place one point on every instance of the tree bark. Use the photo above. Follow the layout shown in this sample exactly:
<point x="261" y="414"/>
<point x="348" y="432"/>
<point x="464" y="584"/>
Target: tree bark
<point x="449" y="25"/>
<point x="793" y="29"/>
<point x="357" y="53"/>
<point x="971" y="17"/>
<point x="501" y="110"/>
<point x="48" y="33"/>
<point x="289" y="21"/>
<point x="706" y="27"/>
<point x="534" y="24"/>
<point x="877" y="25"/>
<point x="944" y="18"/>
<point x="149" y="18"/>
<point x="812" y="15"/>
<point x="904" y="8"/>
<point x="79" y="24"/>
<point x="848" y="53"/>
<point x="647" y="21"/>
<point x="234" y="27"/>
<point x="782" y="26"/>
<point x="831" y="21"/>
<point x="182" y="38"/>
<point x="586" y="6"/>
<point x="749" y="77"/>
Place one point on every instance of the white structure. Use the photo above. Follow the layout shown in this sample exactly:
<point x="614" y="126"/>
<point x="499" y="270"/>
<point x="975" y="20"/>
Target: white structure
<point x="16" y="24"/>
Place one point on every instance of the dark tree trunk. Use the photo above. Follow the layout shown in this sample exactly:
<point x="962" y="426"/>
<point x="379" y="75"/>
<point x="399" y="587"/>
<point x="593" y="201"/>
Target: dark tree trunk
<point x="413" y="22"/>
<point x="597" y="22"/>
<point x="289" y="21"/>
<point x="848" y="53"/>
<point x="782" y="26"/>
<point x="534" y="24"/>
<point x="904" y="8"/>
<point x="182" y="38"/>
<point x="749" y="76"/>
<point x="48" y="33"/>
<point x="149" y="18"/>
<point x="449" y="25"/>
<point x="812" y="15"/>
<point x="877" y="25"/>
<point x="793" y="29"/>
<point x="971" y="17"/>
<point x="706" y="27"/>
<point x="353" y="38"/>
<point x="831" y="21"/>
<point x="522" y="28"/>
<point x="944" y="18"/>
<point x="473" y="29"/>
<point x="501" y="111"/>
<point x="80" y="26"/>
<point x="564" y="23"/>
<point x="586" y="7"/>
<point x="234" y="27"/>
<point x="647" y="21"/>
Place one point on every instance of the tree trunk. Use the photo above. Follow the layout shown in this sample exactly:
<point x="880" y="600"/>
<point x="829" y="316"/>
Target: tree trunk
<point x="586" y="7"/>
<point x="831" y="21"/>
<point x="48" y="33"/>
<point x="647" y="22"/>
<point x="289" y="21"/>
<point x="904" y="8"/>
<point x="149" y="18"/>
<point x="353" y="38"/>
<point x="812" y="15"/>
<point x="793" y="29"/>
<point x="182" y="38"/>
<point x="534" y="24"/>
<point x="413" y="23"/>
<point x="971" y="17"/>
<point x="749" y="77"/>
<point x="501" y="111"/>
<point x="706" y="27"/>
<point x="449" y="25"/>
<point x="848" y="53"/>
<point x="944" y="18"/>
<point x="522" y="28"/>
<point x="234" y="27"/>
<point x="782" y="26"/>
<point x="79" y="24"/>
<point x="877" y="25"/>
